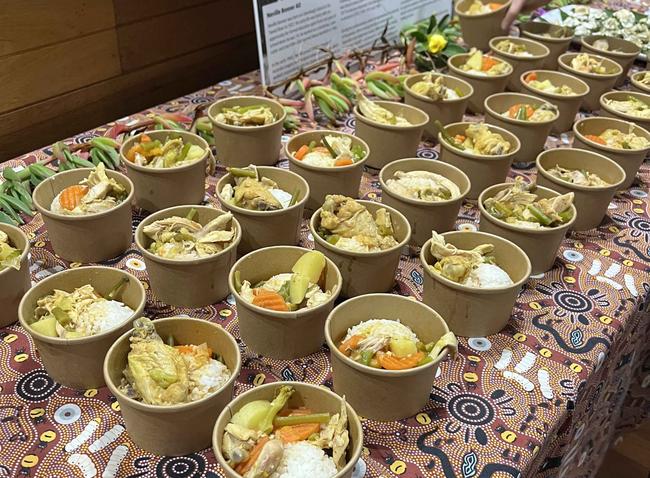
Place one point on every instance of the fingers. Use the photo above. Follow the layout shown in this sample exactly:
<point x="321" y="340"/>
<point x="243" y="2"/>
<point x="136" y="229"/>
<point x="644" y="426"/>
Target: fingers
<point x="515" y="7"/>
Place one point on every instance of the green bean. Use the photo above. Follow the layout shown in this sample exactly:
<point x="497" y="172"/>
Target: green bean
<point x="238" y="283"/>
<point x="539" y="215"/>
<point x="191" y="214"/>
<point x="365" y="357"/>
<point x="18" y="204"/>
<point x="4" y="218"/>
<point x="116" y="288"/>
<point x="294" y="197"/>
<point x="242" y="173"/>
<point x="446" y="136"/>
<point x="301" y="419"/>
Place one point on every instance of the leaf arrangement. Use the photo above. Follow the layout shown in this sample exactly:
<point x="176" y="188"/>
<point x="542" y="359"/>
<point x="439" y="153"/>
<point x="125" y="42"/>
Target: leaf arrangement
<point x="417" y="37"/>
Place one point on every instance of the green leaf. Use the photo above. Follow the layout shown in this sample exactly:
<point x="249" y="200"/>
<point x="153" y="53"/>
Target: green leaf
<point x="444" y="22"/>
<point x="419" y="36"/>
<point x="432" y="23"/>
<point x="563" y="15"/>
<point x="453" y="49"/>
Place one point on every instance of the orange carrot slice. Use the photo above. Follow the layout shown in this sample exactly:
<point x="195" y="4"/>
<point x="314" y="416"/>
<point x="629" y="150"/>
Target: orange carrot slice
<point x="189" y="349"/>
<point x="144" y="138"/>
<point x="392" y="362"/>
<point x="254" y="454"/>
<point x="269" y="300"/>
<point x="302" y="151"/>
<point x="513" y="111"/>
<point x="460" y="138"/>
<point x="495" y="6"/>
<point x="349" y="345"/>
<point x="343" y="161"/>
<point x="530" y="77"/>
<point x="294" y="433"/>
<point x="71" y="196"/>
<point x="487" y="63"/>
<point x="596" y="139"/>
<point x="136" y="148"/>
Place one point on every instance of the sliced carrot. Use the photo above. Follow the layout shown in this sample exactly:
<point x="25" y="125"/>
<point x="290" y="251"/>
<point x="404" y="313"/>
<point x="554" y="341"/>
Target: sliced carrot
<point x="488" y="62"/>
<point x="349" y="345"/>
<point x="343" y="161"/>
<point x="513" y="111"/>
<point x="254" y="454"/>
<point x="596" y="139"/>
<point x="136" y="148"/>
<point x="144" y="138"/>
<point x="392" y="362"/>
<point x="269" y="300"/>
<point x="302" y="151"/>
<point x="495" y="6"/>
<point x="189" y="349"/>
<point x="460" y="138"/>
<point x="71" y="196"/>
<point x="296" y="433"/>
<point x="530" y="77"/>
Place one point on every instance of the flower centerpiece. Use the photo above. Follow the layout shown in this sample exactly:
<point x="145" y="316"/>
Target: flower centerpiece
<point x="431" y="42"/>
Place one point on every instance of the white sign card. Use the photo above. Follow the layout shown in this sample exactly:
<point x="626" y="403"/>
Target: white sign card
<point x="290" y="32"/>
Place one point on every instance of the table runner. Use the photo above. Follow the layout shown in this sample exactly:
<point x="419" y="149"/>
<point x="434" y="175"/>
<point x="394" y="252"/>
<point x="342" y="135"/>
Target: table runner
<point x="545" y="397"/>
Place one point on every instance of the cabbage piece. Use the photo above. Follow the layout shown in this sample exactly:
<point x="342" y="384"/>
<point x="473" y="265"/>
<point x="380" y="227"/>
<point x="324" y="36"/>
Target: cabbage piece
<point x="259" y="414"/>
<point x="194" y="153"/>
<point x="9" y="256"/>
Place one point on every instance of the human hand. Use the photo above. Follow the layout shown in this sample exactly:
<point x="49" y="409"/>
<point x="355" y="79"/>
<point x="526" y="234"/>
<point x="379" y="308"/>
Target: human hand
<point x="518" y="6"/>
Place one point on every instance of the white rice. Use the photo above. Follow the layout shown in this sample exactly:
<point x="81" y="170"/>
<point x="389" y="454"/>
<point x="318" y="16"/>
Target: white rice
<point x="392" y="329"/>
<point x="304" y="460"/>
<point x="488" y="276"/>
<point x="102" y="316"/>
<point x="207" y="379"/>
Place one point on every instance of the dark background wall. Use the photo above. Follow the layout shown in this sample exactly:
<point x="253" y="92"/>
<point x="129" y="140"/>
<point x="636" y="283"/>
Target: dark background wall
<point x="69" y="65"/>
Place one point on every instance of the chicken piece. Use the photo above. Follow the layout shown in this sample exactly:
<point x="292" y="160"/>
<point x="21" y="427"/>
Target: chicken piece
<point x="268" y="461"/>
<point x="552" y="207"/>
<point x="335" y="436"/>
<point x="237" y="442"/>
<point x="435" y="90"/>
<point x="161" y="229"/>
<point x="374" y="112"/>
<point x="100" y="185"/>
<point x="518" y="194"/>
<point x="254" y="115"/>
<point x="453" y="263"/>
<point x="346" y="217"/>
<point x="253" y="194"/>
<point x="485" y="141"/>
<point x="156" y="371"/>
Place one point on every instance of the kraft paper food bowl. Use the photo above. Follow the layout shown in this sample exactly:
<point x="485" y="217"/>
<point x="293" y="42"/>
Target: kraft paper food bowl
<point x="365" y="272"/>
<point x="446" y="111"/>
<point x="557" y="44"/>
<point x="14" y="283"/>
<point x="380" y="394"/>
<point x="531" y="134"/>
<point x="635" y="79"/>
<point x="91" y="238"/>
<point x="540" y="245"/>
<point x="590" y="202"/>
<point x="621" y="51"/>
<point x="160" y="188"/>
<point x="389" y="142"/>
<point x="344" y="180"/>
<point x="482" y="170"/>
<point x="314" y="397"/>
<point x="174" y="430"/>
<point x="269" y="228"/>
<point x="77" y="363"/>
<point x="276" y="334"/>
<point x="239" y="146"/>
<point x="478" y="29"/>
<point x="425" y="216"/>
<point x="567" y="105"/>
<point x="610" y="112"/>
<point x="472" y="312"/>
<point x="520" y="63"/>
<point x="628" y="159"/>
<point x="483" y="86"/>
<point x="188" y="282"/>
<point x="598" y="84"/>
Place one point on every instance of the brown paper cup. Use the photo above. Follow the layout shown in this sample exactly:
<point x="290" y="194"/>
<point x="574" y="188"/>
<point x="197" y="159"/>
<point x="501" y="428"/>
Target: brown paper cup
<point x="556" y="46"/>
<point x="14" y="283"/>
<point x="188" y="283"/>
<point x="425" y="216"/>
<point x="92" y="238"/>
<point x="541" y="245"/>
<point x="365" y="272"/>
<point x="532" y="134"/>
<point x="598" y="84"/>
<point x="520" y="64"/>
<point x="483" y="86"/>
<point x="269" y="228"/>
<point x="281" y="335"/>
<point x="472" y="312"/>
<point x="590" y="202"/>
<point x="625" y="54"/>
<point x="478" y="29"/>
<point x="379" y="394"/>
<point x="160" y="188"/>
<point x="637" y="86"/>
<point x="315" y="397"/>
<point x="239" y="146"/>
<point x="622" y="96"/>
<point x="446" y="111"/>
<point x="628" y="159"/>
<point x="482" y="171"/>
<point x="344" y="180"/>
<point x="174" y="430"/>
<point x="387" y="142"/>
<point x="568" y="106"/>
<point x="77" y="363"/>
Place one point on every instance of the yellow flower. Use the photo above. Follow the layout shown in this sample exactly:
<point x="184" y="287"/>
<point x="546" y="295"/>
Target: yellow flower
<point x="437" y="43"/>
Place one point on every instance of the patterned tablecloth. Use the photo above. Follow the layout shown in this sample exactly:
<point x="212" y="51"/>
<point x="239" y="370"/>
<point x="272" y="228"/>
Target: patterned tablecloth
<point x="545" y="397"/>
